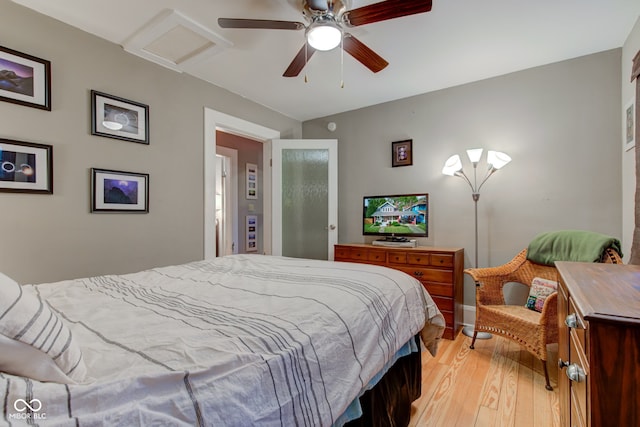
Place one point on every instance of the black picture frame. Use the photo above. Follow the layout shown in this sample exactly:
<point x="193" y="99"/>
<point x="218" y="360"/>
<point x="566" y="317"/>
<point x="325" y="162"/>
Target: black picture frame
<point x="119" y="191"/>
<point x="25" y="167"/>
<point x="119" y="118"/>
<point x="25" y="79"/>
<point x="402" y="153"/>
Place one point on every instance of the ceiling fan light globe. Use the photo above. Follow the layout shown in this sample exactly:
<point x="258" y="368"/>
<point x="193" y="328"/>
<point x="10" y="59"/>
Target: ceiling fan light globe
<point x="324" y="36"/>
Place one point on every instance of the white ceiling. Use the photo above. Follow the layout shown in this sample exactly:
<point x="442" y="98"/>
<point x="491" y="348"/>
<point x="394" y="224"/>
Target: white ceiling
<point x="459" y="41"/>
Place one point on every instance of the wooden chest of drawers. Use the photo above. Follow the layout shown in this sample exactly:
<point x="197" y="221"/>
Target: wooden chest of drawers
<point x="599" y="344"/>
<point x="438" y="269"/>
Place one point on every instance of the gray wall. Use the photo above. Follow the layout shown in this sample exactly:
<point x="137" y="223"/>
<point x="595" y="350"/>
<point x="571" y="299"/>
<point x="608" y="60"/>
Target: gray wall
<point x="560" y="123"/>
<point x="54" y="237"/>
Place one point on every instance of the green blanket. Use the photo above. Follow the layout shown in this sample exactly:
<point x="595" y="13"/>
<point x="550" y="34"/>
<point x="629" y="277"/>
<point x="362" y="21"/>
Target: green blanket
<point x="570" y="245"/>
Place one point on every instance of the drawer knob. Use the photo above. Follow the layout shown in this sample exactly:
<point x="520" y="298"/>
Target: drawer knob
<point x="571" y="321"/>
<point x="562" y="364"/>
<point x="418" y="273"/>
<point x="576" y="373"/>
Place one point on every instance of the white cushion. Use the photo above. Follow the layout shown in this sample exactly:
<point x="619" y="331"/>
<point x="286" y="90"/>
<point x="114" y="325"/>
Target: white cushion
<point x="26" y="318"/>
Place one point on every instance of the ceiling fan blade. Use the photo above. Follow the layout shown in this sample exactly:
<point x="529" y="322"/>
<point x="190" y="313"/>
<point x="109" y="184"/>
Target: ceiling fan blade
<point x="384" y="10"/>
<point x="267" y="24"/>
<point x="299" y="61"/>
<point x="362" y="53"/>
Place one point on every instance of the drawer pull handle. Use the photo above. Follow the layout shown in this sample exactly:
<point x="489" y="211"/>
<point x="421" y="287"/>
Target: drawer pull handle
<point x="418" y="273"/>
<point x="571" y="321"/>
<point x="562" y="364"/>
<point x="576" y="373"/>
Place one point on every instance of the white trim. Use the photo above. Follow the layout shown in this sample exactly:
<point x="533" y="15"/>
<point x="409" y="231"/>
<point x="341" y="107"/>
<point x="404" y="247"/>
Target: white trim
<point x="216" y="120"/>
<point x="232" y="182"/>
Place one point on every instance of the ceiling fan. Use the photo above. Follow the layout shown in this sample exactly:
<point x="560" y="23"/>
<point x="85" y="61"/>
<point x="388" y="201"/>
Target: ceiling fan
<point x="324" y="28"/>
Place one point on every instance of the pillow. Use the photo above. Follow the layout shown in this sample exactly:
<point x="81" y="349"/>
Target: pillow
<point x="18" y="358"/>
<point x="539" y="291"/>
<point x="25" y="318"/>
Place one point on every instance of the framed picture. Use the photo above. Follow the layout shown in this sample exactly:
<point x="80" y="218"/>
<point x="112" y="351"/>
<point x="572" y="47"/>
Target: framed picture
<point x="119" y="118"/>
<point x="629" y="125"/>
<point x="401" y="153"/>
<point x="252" y="233"/>
<point x="252" y="181"/>
<point x="25" y="79"/>
<point x="26" y="167"/>
<point x="117" y="191"/>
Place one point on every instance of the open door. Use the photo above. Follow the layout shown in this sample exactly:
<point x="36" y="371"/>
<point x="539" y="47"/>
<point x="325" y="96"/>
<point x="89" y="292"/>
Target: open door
<point x="304" y="198"/>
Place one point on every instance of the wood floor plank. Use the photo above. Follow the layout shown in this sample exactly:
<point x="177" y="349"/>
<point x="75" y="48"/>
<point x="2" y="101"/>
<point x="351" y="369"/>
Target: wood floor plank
<point x="496" y="384"/>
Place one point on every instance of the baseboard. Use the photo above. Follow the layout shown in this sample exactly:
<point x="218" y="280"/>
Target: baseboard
<point x="468" y="315"/>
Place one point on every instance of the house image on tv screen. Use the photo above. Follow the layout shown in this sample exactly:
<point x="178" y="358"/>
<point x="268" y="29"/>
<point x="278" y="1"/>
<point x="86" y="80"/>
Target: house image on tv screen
<point x="396" y="215"/>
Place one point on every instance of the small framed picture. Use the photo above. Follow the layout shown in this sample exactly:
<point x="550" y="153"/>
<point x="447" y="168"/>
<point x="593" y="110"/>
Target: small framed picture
<point x="26" y="167"/>
<point x="117" y="191"/>
<point x="629" y="125"/>
<point x="252" y="181"/>
<point x="119" y="118"/>
<point x="402" y="153"/>
<point x="252" y="233"/>
<point x="25" y="79"/>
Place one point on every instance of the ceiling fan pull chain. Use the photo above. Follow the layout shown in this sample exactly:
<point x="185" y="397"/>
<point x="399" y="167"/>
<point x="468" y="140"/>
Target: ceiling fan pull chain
<point x="342" y="62"/>
<point x="306" y="60"/>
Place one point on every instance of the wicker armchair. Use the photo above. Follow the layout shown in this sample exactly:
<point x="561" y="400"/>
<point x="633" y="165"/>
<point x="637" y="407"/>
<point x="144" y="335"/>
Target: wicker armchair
<point x="529" y="328"/>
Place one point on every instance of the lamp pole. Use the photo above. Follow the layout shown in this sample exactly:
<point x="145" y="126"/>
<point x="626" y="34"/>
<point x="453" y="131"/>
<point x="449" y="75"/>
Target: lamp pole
<point x="453" y="167"/>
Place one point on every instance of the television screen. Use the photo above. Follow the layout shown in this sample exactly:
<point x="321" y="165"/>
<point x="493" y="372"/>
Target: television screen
<point x="404" y="215"/>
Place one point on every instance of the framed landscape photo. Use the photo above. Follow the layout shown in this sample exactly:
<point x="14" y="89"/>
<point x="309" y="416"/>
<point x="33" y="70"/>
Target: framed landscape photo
<point x="252" y="233"/>
<point x="119" y="118"/>
<point x="402" y="153"/>
<point x="26" y="167"/>
<point x="629" y="125"/>
<point x="118" y="191"/>
<point x="252" y="181"/>
<point x="25" y="79"/>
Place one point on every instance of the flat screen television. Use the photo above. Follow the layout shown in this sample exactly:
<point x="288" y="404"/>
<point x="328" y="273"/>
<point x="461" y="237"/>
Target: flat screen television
<point x="396" y="217"/>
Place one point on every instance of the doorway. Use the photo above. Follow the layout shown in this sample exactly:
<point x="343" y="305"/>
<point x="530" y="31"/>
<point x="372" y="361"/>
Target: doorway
<point x="215" y="120"/>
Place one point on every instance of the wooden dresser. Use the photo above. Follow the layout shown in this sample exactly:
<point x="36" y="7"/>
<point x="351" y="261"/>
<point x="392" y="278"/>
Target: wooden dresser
<point x="599" y="344"/>
<point x="438" y="269"/>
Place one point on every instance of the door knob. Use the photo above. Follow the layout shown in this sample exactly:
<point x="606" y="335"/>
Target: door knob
<point x="332" y="227"/>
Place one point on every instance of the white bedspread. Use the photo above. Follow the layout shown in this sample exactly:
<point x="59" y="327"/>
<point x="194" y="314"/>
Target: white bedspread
<point x="239" y="341"/>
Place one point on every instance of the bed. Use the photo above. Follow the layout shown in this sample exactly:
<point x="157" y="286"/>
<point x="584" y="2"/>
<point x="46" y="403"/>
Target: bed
<point x="236" y="341"/>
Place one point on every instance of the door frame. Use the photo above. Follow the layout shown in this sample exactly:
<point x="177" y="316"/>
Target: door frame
<point x="217" y="120"/>
<point x="231" y="209"/>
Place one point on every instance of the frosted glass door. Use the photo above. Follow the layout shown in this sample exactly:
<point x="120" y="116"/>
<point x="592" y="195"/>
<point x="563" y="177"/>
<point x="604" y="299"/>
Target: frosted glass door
<point x="305" y="198"/>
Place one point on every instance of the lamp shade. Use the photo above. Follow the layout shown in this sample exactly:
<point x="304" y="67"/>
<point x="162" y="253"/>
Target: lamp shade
<point x="474" y="154"/>
<point x="452" y="165"/>
<point x="323" y="35"/>
<point x="497" y="159"/>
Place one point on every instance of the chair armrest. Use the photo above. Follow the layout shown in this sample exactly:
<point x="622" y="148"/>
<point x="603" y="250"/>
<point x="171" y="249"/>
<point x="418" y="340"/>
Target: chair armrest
<point x="505" y="270"/>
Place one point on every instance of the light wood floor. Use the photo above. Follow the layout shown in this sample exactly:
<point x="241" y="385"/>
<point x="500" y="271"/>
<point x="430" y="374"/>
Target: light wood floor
<point x="496" y="384"/>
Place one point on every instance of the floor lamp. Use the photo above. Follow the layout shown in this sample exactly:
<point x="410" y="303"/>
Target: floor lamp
<point x="453" y="167"/>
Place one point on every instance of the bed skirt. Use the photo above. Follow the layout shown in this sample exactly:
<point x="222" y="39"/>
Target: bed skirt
<point x="388" y="403"/>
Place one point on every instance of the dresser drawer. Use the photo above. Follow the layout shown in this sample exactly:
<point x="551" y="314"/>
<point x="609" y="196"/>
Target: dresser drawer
<point x="341" y="253"/>
<point x="442" y="260"/>
<point x="428" y="274"/>
<point x="438" y="289"/>
<point x="397" y="257"/>
<point x="358" y="254"/>
<point x="419" y="258"/>
<point x="376" y="256"/>
<point x="443" y="303"/>
<point x="578" y="389"/>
